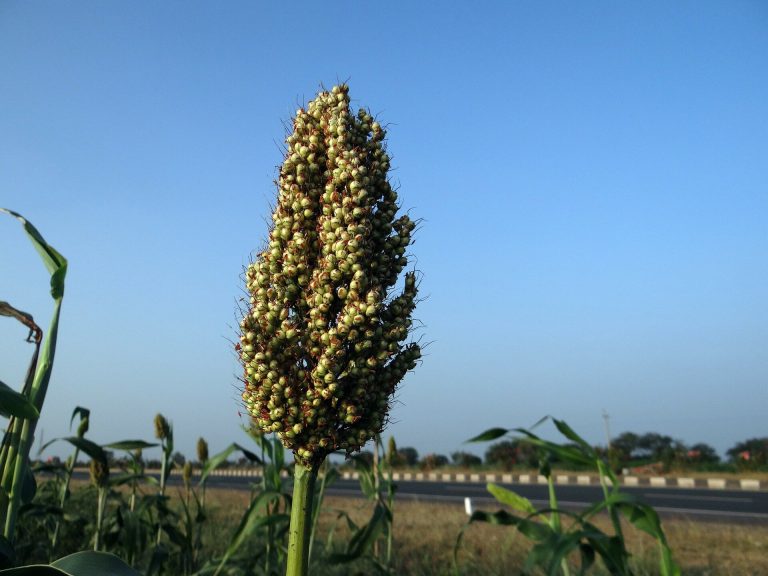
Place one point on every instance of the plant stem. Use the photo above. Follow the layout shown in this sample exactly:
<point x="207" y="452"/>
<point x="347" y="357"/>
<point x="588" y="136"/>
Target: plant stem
<point x="63" y="497"/>
<point x="163" y="475"/>
<point x="316" y="507"/>
<point x="554" y="519"/>
<point x="301" y="519"/>
<point x="102" y="502"/>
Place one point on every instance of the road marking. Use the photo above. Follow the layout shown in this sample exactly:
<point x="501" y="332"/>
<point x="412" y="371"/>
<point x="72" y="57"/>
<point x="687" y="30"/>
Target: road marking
<point x="698" y="498"/>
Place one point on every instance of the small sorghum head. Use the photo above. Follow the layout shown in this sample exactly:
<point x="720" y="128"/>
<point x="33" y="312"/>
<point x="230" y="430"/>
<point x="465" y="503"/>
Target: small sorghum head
<point x="186" y="474"/>
<point x="202" y="451"/>
<point x="99" y="472"/>
<point x="162" y="428"/>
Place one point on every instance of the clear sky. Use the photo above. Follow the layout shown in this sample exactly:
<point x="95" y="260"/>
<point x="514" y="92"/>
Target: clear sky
<point x="593" y="179"/>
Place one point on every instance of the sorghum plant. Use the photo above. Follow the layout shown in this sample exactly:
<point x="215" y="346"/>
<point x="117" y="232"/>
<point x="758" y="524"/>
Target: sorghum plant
<point x="323" y="337"/>
<point x="24" y="408"/>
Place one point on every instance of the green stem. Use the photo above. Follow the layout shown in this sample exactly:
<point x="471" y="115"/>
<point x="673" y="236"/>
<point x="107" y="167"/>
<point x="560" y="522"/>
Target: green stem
<point x="63" y="496"/>
<point x="102" y="502"/>
<point x="301" y="519"/>
<point x="317" y="504"/>
<point x="163" y="474"/>
<point x="23" y="430"/>
<point x="391" y="502"/>
<point x="613" y="513"/>
<point x="555" y="519"/>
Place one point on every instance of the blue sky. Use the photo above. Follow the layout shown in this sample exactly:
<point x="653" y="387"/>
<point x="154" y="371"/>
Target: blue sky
<point x="593" y="179"/>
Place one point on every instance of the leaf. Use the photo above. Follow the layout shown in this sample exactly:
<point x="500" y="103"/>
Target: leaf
<point x="91" y="448"/>
<point x="252" y="520"/>
<point x="13" y="403"/>
<point x="217" y="460"/>
<point x="54" y="262"/>
<point x="28" y="485"/>
<point x="553" y="550"/>
<point x="130" y="445"/>
<point x="23" y="317"/>
<point x="490" y="434"/>
<point x="92" y="563"/>
<point x="569" y="433"/>
<point x="128" y="478"/>
<point x="364" y="537"/>
<point x="34" y="570"/>
<point x="511" y="499"/>
<point x="87" y="563"/>
<point x="84" y="413"/>
<point x="566" y="454"/>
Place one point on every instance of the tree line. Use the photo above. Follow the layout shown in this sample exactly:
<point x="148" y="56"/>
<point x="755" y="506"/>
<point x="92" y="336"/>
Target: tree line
<point x="627" y="450"/>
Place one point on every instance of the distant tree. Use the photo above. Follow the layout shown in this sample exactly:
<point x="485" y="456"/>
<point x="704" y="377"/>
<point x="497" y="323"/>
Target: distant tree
<point x="466" y="460"/>
<point x="657" y="447"/>
<point x="702" y="454"/>
<point x="364" y="457"/>
<point x="502" y="454"/>
<point x="432" y="461"/>
<point x="178" y="459"/>
<point x="408" y="456"/>
<point x="624" y="446"/>
<point x="509" y="453"/>
<point x="750" y="453"/>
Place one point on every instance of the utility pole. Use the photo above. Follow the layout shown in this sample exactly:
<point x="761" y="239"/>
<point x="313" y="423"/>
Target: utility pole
<point x="606" y="419"/>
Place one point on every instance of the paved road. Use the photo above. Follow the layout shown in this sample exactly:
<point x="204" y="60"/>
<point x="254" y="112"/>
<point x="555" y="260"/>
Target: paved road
<point x="696" y="504"/>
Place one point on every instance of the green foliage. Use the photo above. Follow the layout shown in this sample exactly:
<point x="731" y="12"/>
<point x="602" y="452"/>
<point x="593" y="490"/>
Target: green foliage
<point x="630" y="449"/>
<point x="372" y="541"/>
<point x="24" y="408"/>
<point x="432" y="461"/>
<point x="510" y="453"/>
<point x="466" y="459"/>
<point x="554" y="542"/>
<point x="750" y="454"/>
<point x="78" y="564"/>
<point x="407" y="456"/>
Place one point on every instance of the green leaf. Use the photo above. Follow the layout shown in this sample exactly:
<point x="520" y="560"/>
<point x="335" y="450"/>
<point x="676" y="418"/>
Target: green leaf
<point x="91" y="448"/>
<point x="34" y="570"/>
<point x="511" y="499"/>
<point x="490" y="434"/>
<point x="253" y="519"/>
<point x="130" y="445"/>
<point x="84" y="413"/>
<point x="569" y="433"/>
<point x="550" y="552"/>
<point x="28" y="485"/>
<point x="87" y="563"/>
<point x="91" y="563"/>
<point x="217" y="460"/>
<point x="128" y="478"/>
<point x="362" y="540"/>
<point x="13" y="403"/>
<point x="566" y="454"/>
<point x="55" y="263"/>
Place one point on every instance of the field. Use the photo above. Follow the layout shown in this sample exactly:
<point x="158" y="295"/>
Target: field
<point x="425" y="535"/>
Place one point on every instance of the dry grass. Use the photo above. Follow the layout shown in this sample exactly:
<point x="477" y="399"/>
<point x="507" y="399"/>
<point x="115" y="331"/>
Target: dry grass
<point x="425" y="534"/>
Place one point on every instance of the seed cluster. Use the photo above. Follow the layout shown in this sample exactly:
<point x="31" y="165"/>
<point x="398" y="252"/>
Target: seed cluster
<point x="323" y="339"/>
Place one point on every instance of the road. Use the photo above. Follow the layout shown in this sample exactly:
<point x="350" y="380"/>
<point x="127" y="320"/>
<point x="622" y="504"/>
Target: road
<point x="696" y="504"/>
<point x="743" y="506"/>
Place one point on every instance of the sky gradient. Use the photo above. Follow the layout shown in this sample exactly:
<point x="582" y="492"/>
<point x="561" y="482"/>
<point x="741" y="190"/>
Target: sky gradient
<point x="592" y="179"/>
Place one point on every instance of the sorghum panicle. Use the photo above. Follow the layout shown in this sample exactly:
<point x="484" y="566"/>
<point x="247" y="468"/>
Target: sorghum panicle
<point x="323" y="339"/>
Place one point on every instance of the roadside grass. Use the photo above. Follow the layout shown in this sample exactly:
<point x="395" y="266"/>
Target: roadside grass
<point x="425" y="535"/>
